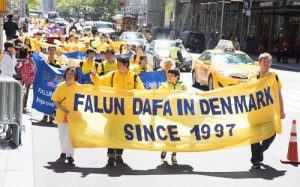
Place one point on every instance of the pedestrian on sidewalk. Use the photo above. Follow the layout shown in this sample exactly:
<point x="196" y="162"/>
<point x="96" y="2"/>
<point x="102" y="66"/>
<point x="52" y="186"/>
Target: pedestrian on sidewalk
<point x="11" y="28"/>
<point x="8" y="60"/>
<point x="258" y="149"/>
<point x="59" y="99"/>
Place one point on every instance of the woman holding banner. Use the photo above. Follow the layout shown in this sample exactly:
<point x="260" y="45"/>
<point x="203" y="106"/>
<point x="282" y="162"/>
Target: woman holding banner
<point x="59" y="99"/>
<point x="166" y="64"/>
<point x="257" y="149"/>
<point x="143" y="65"/>
<point x="173" y="83"/>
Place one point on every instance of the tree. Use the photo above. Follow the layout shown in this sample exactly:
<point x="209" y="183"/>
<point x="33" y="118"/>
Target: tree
<point x="34" y="4"/>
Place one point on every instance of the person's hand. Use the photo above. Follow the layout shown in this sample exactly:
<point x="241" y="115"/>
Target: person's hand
<point x="12" y="51"/>
<point x="93" y="72"/>
<point x="282" y="115"/>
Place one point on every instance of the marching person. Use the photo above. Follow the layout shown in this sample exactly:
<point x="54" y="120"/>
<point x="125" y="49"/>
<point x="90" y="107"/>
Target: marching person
<point x="143" y="65"/>
<point x="166" y="64"/>
<point x="135" y="58"/>
<point x="122" y="78"/>
<point x="173" y="83"/>
<point x="59" y="99"/>
<point x="257" y="149"/>
<point x="110" y="64"/>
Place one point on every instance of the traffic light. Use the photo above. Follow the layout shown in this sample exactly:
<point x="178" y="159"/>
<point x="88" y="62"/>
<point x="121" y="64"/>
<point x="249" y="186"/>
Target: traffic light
<point x="3" y="6"/>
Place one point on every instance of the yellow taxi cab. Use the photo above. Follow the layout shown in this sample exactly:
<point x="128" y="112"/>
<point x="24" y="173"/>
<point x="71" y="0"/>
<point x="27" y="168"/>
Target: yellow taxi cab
<point x="221" y="67"/>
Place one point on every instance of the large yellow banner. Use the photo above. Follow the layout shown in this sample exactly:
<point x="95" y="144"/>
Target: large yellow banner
<point x="173" y="121"/>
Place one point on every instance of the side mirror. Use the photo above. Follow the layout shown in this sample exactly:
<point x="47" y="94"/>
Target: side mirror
<point x="207" y="62"/>
<point x="256" y="63"/>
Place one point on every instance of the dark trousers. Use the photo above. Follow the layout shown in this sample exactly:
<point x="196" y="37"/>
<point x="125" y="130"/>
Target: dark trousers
<point x="114" y="152"/>
<point x="259" y="148"/>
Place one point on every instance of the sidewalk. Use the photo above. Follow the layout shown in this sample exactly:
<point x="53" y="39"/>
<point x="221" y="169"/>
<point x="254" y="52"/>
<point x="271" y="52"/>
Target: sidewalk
<point x="291" y="66"/>
<point x="16" y="164"/>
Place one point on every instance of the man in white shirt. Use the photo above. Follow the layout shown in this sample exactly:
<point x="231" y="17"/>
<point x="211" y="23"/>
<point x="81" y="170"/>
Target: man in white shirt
<point x="8" y="61"/>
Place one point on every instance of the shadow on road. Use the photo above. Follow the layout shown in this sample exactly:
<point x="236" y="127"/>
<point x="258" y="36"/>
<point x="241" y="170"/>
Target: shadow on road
<point x="43" y="124"/>
<point x="267" y="173"/>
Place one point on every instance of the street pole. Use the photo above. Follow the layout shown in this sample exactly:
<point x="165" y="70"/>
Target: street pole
<point x="1" y="31"/>
<point x="222" y="15"/>
<point x="249" y="20"/>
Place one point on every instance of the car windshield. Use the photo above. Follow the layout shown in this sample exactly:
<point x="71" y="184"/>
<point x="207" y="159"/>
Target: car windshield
<point x="104" y="26"/>
<point x="133" y="35"/>
<point x="234" y="59"/>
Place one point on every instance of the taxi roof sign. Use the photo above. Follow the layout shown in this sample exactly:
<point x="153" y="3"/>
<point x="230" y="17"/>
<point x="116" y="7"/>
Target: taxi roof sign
<point x="224" y="44"/>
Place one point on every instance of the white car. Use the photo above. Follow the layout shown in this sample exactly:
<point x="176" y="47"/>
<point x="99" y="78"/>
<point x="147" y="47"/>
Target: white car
<point x="134" y="38"/>
<point x="105" y="27"/>
<point x="159" y="49"/>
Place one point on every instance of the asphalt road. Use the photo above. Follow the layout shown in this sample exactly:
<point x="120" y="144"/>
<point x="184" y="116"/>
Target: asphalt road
<point x="229" y="167"/>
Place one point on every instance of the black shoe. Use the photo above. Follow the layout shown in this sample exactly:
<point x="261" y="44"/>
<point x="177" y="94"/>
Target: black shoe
<point x="45" y="118"/>
<point x="70" y="160"/>
<point x="119" y="160"/>
<point x="63" y="156"/>
<point x="111" y="161"/>
<point x="51" y="119"/>
<point x="173" y="159"/>
<point x="163" y="155"/>
<point x="256" y="166"/>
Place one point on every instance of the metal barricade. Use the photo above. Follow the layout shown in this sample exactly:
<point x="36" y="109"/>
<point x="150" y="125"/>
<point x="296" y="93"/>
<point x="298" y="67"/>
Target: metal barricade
<point x="11" y="109"/>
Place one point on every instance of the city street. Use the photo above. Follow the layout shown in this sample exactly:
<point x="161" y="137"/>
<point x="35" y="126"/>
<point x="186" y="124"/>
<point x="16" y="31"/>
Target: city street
<point x="144" y="168"/>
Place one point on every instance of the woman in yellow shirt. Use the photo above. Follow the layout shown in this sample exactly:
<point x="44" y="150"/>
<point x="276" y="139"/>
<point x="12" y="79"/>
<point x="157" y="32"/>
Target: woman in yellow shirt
<point x="59" y="99"/>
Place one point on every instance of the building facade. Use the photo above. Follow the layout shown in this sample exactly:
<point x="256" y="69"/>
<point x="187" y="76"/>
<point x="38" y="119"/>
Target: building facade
<point x="255" y="24"/>
<point x="150" y="13"/>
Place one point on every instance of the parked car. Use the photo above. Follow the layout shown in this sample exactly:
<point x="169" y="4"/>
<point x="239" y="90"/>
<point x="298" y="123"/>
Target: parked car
<point x="159" y="49"/>
<point x="134" y="38"/>
<point x="194" y="41"/>
<point x="219" y="68"/>
<point x="105" y="27"/>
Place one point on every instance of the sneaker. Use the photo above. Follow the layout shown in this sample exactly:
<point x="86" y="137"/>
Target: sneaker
<point x="51" y="119"/>
<point x="70" y="160"/>
<point x="119" y="160"/>
<point x="111" y="161"/>
<point x="163" y="155"/>
<point x="173" y="159"/>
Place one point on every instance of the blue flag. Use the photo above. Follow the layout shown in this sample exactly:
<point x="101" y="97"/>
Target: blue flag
<point x="46" y="80"/>
<point x="150" y="79"/>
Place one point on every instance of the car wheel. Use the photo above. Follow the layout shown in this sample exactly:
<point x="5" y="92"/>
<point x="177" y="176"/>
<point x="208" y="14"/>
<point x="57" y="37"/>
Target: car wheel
<point x="210" y="83"/>
<point x="195" y="83"/>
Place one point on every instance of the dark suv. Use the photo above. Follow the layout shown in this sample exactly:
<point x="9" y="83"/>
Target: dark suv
<point x="194" y="41"/>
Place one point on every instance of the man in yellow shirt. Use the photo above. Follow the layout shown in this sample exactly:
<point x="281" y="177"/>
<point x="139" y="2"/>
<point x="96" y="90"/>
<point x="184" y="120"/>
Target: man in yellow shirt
<point x="135" y="58"/>
<point x="89" y="64"/>
<point x="258" y="149"/>
<point x="110" y="64"/>
<point x="103" y="46"/>
<point x="122" y="78"/>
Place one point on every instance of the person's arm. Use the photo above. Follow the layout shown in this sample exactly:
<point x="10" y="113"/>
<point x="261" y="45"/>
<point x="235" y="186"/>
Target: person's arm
<point x="179" y="56"/>
<point x="282" y="114"/>
<point x="60" y="107"/>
